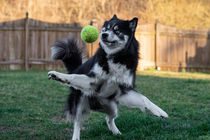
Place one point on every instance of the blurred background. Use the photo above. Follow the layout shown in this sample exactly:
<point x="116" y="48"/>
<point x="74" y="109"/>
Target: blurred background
<point x="185" y="14"/>
<point x="174" y="34"/>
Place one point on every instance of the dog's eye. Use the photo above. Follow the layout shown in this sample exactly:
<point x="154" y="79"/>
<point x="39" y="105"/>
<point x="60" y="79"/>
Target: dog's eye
<point x="117" y="32"/>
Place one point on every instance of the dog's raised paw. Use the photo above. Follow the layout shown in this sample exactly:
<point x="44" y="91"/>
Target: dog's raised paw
<point x="53" y="75"/>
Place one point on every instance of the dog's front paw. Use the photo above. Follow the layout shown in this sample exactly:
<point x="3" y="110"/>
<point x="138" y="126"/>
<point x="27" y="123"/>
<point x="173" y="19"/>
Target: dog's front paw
<point x="53" y="75"/>
<point x="155" y="110"/>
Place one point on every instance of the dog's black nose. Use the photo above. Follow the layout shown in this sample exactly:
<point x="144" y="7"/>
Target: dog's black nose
<point x="105" y="35"/>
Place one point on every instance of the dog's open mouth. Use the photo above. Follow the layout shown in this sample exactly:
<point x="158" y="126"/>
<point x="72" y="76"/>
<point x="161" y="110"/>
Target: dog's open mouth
<point x="110" y="42"/>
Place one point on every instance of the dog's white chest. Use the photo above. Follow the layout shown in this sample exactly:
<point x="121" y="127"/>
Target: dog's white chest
<point x="117" y="73"/>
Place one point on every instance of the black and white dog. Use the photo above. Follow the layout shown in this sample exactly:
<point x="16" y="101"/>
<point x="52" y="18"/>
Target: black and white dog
<point x="106" y="79"/>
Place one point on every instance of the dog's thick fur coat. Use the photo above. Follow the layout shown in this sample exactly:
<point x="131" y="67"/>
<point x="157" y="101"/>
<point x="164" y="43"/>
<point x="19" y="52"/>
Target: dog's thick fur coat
<point x="106" y="79"/>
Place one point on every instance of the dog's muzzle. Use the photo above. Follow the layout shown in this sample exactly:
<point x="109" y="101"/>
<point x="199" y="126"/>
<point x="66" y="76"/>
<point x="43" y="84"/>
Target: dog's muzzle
<point x="105" y="39"/>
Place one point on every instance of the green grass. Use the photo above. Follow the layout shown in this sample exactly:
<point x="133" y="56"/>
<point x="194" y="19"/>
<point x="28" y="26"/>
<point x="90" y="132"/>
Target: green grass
<point x="31" y="108"/>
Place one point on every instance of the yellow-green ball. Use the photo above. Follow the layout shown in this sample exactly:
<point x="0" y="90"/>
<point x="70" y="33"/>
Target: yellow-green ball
<point x="89" y="34"/>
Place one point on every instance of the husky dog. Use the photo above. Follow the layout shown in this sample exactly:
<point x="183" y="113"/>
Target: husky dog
<point x="106" y="79"/>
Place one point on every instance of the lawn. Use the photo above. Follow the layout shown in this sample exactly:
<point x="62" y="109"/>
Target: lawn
<point x="31" y="108"/>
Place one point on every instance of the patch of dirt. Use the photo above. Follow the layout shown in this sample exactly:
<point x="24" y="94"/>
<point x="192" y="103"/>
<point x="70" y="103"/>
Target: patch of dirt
<point x="6" y="128"/>
<point x="59" y="118"/>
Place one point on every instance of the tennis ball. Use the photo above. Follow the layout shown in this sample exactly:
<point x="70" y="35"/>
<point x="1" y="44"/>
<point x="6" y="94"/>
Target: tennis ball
<point x="89" y="34"/>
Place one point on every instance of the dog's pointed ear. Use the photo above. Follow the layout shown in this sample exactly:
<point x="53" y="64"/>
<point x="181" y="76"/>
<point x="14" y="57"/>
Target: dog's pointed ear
<point x="114" y="17"/>
<point x="133" y="24"/>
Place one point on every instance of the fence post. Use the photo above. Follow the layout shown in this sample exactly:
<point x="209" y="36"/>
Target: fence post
<point x="94" y="23"/>
<point x="157" y="34"/>
<point x="26" y="42"/>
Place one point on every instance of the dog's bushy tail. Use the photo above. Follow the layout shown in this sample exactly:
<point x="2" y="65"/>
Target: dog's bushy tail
<point x="69" y="52"/>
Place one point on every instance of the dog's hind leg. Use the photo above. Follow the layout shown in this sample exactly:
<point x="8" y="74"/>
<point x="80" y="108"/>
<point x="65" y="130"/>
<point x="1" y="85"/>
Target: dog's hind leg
<point x="80" y="116"/>
<point x="77" y="125"/>
<point x="111" y="115"/>
<point x="134" y="99"/>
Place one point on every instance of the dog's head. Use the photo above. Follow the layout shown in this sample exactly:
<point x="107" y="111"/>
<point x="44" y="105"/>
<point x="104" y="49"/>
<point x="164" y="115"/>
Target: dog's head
<point x="116" y="33"/>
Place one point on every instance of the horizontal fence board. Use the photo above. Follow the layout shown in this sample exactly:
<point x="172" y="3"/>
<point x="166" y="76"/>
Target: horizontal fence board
<point x="185" y="35"/>
<point x="184" y="64"/>
<point x="12" y="62"/>
<point x="56" y="29"/>
<point x="44" y="61"/>
<point x="11" y="28"/>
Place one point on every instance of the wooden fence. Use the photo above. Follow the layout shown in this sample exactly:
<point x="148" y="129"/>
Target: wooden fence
<point x="173" y="49"/>
<point x="178" y="49"/>
<point x="26" y="43"/>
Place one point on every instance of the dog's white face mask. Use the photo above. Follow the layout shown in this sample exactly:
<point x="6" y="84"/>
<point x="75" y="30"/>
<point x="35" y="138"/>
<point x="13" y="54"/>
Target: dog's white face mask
<point x="112" y="40"/>
<point x="115" y="34"/>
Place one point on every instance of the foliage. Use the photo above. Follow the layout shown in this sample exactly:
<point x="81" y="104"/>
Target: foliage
<point x="187" y="14"/>
<point x="31" y="108"/>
